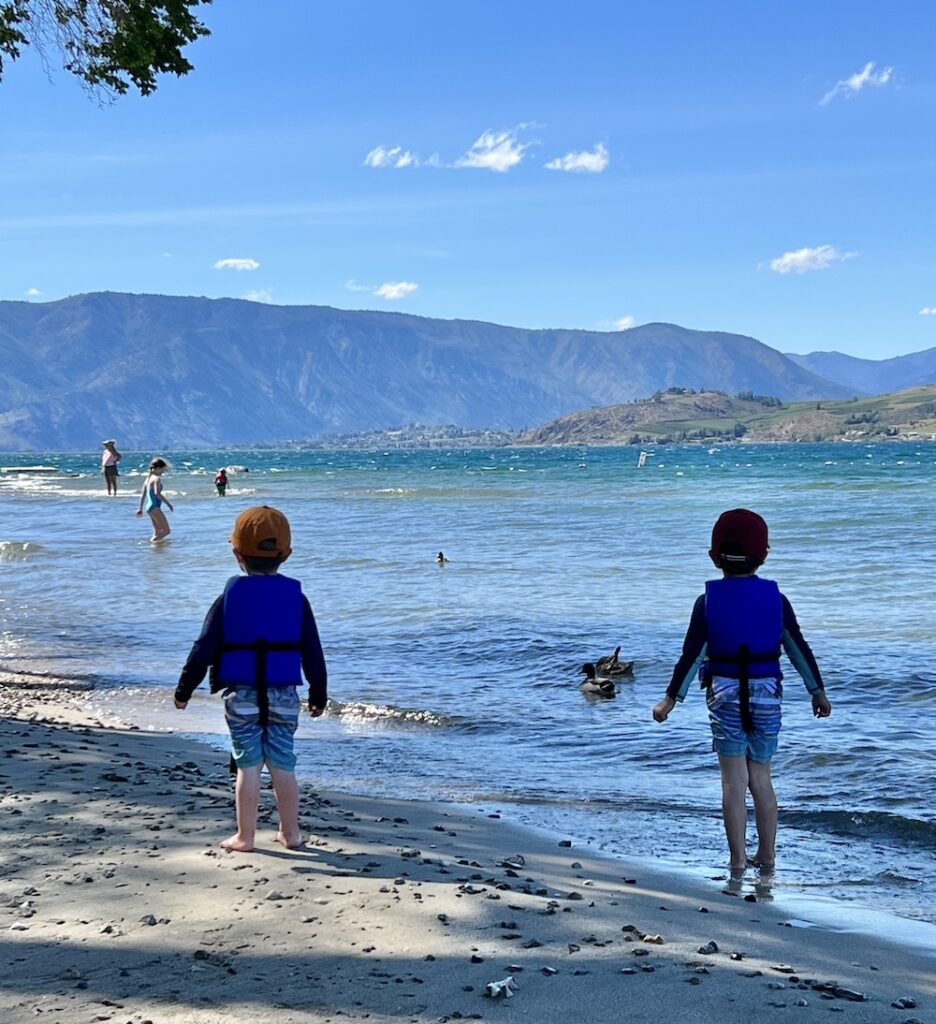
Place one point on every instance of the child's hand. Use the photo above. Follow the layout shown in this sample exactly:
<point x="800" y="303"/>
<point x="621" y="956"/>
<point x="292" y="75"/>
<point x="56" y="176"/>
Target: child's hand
<point x="821" y="707"/>
<point x="139" y="511"/>
<point x="180" y="704"/>
<point x="661" y="711"/>
<point x="314" y="711"/>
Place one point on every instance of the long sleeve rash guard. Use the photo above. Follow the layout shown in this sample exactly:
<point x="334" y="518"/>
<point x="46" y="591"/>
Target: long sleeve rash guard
<point x="696" y="644"/>
<point x="207" y="648"/>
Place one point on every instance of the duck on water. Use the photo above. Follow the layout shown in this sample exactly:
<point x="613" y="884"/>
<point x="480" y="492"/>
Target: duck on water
<point x="595" y="685"/>
<point x="611" y="665"/>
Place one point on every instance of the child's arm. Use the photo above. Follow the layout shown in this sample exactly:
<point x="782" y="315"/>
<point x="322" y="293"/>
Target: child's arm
<point x="313" y="662"/>
<point x="202" y="656"/>
<point x="142" y="496"/>
<point x="693" y="652"/>
<point x="162" y="497"/>
<point x="804" y="661"/>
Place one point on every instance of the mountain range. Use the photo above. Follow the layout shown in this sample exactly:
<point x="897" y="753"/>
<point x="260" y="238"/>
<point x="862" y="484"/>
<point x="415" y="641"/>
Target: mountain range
<point x="164" y="371"/>
<point x="872" y="376"/>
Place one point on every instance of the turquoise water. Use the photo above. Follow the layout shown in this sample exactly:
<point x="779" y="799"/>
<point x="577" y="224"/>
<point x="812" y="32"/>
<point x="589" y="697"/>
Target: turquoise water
<point x="460" y="683"/>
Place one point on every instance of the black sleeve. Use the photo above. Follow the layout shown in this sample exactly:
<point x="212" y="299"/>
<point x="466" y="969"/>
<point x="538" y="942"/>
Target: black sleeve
<point x="313" y="659"/>
<point x="203" y="652"/>
<point x="692" y="653"/>
<point x="798" y="651"/>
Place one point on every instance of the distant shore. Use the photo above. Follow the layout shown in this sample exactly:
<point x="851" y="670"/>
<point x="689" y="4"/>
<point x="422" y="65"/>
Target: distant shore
<point x="115" y="895"/>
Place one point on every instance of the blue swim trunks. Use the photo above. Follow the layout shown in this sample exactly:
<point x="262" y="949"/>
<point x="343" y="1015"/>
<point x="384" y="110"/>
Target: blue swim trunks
<point x="251" y="744"/>
<point x="728" y="736"/>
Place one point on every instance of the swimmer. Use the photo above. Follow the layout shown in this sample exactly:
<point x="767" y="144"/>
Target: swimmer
<point x="441" y="559"/>
<point x="152" y="499"/>
<point x="221" y="482"/>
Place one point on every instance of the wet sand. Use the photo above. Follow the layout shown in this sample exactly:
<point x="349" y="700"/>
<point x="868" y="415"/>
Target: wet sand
<point x="116" y="904"/>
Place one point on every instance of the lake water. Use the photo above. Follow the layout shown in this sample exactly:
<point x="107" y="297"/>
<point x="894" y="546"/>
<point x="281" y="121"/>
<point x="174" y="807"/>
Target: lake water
<point x="460" y="683"/>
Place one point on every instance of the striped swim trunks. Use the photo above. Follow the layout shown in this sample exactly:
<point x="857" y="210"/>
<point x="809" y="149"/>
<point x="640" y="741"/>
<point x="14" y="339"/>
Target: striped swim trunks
<point x="252" y="744"/>
<point x="724" y="706"/>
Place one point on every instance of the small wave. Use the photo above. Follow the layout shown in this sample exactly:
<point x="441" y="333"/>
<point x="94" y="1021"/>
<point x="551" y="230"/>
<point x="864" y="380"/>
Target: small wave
<point x="360" y="711"/>
<point x="880" y="825"/>
<point x="18" y="550"/>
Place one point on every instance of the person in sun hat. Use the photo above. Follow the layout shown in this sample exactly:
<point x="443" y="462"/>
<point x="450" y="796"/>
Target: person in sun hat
<point x="109" y="459"/>
<point x="735" y="636"/>
<point x="258" y="639"/>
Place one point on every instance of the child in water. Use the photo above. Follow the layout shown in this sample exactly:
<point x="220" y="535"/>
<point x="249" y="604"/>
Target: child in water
<point x="258" y="639"/>
<point x="737" y="629"/>
<point x="221" y="482"/>
<point x="152" y="500"/>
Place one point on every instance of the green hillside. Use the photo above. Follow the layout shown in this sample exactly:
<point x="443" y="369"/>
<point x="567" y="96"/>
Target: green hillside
<point x="680" y="414"/>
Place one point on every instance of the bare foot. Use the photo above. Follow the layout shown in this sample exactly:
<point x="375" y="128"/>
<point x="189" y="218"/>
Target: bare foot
<point x="237" y="845"/>
<point x="291" y="842"/>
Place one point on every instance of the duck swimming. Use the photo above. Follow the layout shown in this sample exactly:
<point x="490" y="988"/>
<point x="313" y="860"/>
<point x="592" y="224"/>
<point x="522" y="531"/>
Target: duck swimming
<point x="612" y="666"/>
<point x="594" y="685"/>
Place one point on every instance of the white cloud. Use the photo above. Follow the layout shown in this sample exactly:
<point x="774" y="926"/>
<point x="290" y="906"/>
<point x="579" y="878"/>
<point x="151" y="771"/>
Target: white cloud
<point x="259" y="295"/>
<point x="381" y="156"/>
<point x="925" y="311"/>
<point x="588" y="161"/>
<point x="619" y="323"/>
<point x="32" y="293"/>
<point x="853" y="85"/>
<point x="233" y="263"/>
<point x="355" y="286"/>
<point x="800" y="261"/>
<point x="394" y="290"/>
<point x="494" y="151"/>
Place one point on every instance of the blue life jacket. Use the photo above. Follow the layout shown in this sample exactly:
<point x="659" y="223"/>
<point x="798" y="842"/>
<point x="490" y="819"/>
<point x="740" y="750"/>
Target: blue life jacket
<point x="744" y="620"/>
<point x="262" y="633"/>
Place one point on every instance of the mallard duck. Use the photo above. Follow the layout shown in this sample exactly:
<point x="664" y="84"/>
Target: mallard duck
<point x="611" y="666"/>
<point x="595" y="685"/>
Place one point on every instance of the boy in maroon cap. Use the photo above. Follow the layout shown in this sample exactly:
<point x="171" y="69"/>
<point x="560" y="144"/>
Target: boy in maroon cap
<point x="735" y="635"/>
<point x="258" y="639"/>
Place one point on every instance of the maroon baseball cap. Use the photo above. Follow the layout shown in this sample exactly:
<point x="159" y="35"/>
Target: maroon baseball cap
<point x="739" y="535"/>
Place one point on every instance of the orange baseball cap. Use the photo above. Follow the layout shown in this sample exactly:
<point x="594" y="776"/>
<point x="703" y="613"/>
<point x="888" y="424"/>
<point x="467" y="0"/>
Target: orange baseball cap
<point x="262" y="532"/>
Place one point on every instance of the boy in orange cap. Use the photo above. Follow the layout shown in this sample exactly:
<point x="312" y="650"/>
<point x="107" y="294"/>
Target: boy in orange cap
<point x="737" y="629"/>
<point x="258" y="639"/>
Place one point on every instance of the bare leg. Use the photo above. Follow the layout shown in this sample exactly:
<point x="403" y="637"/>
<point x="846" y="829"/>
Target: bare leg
<point x="734" y="777"/>
<point x="287" y="801"/>
<point x="247" y="802"/>
<point x="765" y="813"/>
<point x="160" y="524"/>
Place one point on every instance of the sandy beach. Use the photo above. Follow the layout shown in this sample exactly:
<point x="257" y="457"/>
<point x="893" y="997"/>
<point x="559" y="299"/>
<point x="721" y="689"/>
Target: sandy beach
<point x="118" y="905"/>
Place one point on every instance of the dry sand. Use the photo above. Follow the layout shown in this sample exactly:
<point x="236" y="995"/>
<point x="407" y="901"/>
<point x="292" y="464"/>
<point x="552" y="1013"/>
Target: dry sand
<point x="117" y="905"/>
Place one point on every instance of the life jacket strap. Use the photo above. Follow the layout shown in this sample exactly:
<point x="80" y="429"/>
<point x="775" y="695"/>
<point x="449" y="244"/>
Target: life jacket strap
<point x="274" y="646"/>
<point x="744" y="689"/>
<point x="736" y="659"/>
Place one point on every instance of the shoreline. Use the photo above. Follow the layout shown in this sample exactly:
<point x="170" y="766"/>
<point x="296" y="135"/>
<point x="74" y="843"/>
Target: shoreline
<point x="117" y="904"/>
<point x="293" y="446"/>
<point x="813" y="906"/>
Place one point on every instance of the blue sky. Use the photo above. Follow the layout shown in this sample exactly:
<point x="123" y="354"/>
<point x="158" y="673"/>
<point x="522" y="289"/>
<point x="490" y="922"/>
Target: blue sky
<point x="763" y="169"/>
